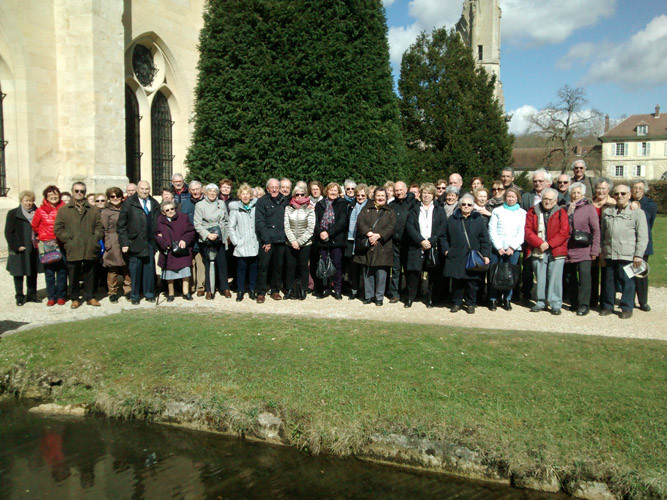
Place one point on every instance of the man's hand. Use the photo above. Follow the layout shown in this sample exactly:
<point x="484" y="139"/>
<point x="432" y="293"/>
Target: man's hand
<point x="125" y="249"/>
<point x="636" y="261"/>
<point x="212" y="236"/>
<point x="266" y="247"/>
<point x="21" y="249"/>
<point x="544" y="246"/>
<point x="324" y="236"/>
<point x="426" y="245"/>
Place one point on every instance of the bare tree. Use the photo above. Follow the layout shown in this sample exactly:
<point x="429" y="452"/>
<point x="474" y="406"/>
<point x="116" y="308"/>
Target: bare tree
<point x="561" y="122"/>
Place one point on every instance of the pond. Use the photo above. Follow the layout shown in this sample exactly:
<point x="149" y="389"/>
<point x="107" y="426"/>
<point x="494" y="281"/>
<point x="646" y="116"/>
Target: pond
<point x="62" y="457"/>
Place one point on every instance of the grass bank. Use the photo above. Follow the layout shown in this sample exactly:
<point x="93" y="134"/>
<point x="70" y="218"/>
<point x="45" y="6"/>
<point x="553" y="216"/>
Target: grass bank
<point x="532" y="403"/>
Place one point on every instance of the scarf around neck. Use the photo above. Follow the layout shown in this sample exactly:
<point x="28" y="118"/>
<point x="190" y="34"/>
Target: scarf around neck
<point x="300" y="202"/>
<point x="512" y="208"/>
<point x="328" y="218"/>
<point x="28" y="214"/>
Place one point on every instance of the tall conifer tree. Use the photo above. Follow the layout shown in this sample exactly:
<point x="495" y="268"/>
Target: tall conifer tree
<point x="295" y="88"/>
<point x="450" y="117"/>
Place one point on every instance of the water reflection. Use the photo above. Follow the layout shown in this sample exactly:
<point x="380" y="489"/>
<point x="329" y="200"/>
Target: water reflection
<point x="97" y="458"/>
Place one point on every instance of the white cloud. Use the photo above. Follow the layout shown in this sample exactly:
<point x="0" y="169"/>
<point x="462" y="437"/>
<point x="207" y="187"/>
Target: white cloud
<point x="550" y="21"/>
<point x="636" y="63"/>
<point x="387" y="3"/>
<point x="582" y="53"/>
<point x="400" y="39"/>
<point x="519" y="122"/>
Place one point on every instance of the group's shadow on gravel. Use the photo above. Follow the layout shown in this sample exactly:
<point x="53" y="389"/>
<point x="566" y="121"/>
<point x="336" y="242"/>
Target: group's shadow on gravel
<point x="9" y="325"/>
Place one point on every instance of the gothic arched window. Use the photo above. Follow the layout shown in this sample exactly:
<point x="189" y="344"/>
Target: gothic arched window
<point x="132" y="144"/>
<point x="161" y="142"/>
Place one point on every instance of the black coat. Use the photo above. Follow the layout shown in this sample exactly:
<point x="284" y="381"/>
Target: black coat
<point x="18" y="233"/>
<point x="414" y="238"/>
<point x="270" y="219"/>
<point x="133" y="229"/>
<point x="402" y="208"/>
<point x="454" y="242"/>
<point x="338" y="231"/>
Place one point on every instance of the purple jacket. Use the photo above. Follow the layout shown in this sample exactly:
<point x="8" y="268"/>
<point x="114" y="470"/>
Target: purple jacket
<point x="179" y="228"/>
<point x="584" y="218"/>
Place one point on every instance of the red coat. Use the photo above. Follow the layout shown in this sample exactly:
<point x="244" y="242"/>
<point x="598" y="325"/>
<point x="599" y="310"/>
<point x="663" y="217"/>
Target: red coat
<point x="44" y="219"/>
<point x="558" y="232"/>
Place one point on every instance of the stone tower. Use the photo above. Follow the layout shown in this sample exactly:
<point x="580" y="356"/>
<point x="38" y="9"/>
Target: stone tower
<point x="479" y="27"/>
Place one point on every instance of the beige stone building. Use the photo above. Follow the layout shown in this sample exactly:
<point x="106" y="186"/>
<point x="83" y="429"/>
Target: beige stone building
<point x="636" y="147"/>
<point x="93" y="90"/>
<point x="479" y="27"/>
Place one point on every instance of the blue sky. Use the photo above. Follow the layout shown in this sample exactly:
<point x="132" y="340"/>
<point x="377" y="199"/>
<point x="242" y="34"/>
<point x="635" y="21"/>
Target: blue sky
<point x="615" y="49"/>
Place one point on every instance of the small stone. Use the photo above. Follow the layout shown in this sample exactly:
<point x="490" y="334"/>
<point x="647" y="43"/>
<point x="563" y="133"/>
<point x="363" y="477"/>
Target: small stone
<point x="591" y="490"/>
<point x="533" y="483"/>
<point x="54" y="409"/>
<point x="269" y="426"/>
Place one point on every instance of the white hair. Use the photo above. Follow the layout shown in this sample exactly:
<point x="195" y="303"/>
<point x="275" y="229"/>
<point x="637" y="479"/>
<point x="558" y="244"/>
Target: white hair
<point x="270" y="181"/>
<point x="578" y="161"/>
<point x="551" y="191"/>
<point x="194" y="184"/>
<point x="211" y="187"/>
<point x="467" y="196"/>
<point x="579" y="185"/>
<point x="641" y="181"/>
<point x="175" y="176"/>
<point x="545" y="173"/>
<point x="349" y="182"/>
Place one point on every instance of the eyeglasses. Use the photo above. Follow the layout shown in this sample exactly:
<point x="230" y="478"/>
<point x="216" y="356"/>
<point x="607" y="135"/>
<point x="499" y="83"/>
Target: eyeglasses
<point x="441" y="188"/>
<point x="361" y="195"/>
<point x="299" y="195"/>
<point x="101" y="200"/>
<point x="466" y="204"/>
<point x="549" y="199"/>
<point x="170" y="209"/>
<point x="578" y="168"/>
<point x="624" y="193"/>
<point x="563" y="182"/>
<point x="539" y="180"/>
<point x="79" y="191"/>
<point x="114" y="197"/>
<point x="349" y="189"/>
<point x="497" y="189"/>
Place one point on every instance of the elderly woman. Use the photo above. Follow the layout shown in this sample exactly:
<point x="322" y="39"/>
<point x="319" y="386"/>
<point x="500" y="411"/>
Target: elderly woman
<point x="465" y="230"/>
<point x="497" y="195"/>
<point x="373" y="248"/>
<point x="451" y="200"/>
<point x="211" y="223"/>
<point x="601" y="199"/>
<point x="583" y="248"/>
<point x="477" y="183"/>
<point x="481" y="199"/>
<point x="244" y="238"/>
<point x="299" y="228"/>
<point x="113" y="259"/>
<point x="55" y="272"/>
<point x="361" y="195"/>
<point x="650" y="209"/>
<point x="175" y="236"/>
<point x="330" y="233"/>
<point x="506" y="229"/>
<point x="315" y="192"/>
<point x="389" y="188"/>
<point x="23" y="259"/>
<point x="547" y="232"/>
<point x="425" y="227"/>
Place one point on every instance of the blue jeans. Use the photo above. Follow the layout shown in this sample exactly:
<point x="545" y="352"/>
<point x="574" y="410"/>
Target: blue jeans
<point x="55" y="275"/>
<point x="243" y="264"/>
<point x="613" y="273"/>
<point x="549" y="273"/>
<point x="142" y="272"/>
<point x="495" y="258"/>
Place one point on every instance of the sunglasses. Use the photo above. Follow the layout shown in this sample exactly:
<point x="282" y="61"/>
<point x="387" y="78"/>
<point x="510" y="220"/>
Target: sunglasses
<point x="349" y="189"/>
<point x="466" y="204"/>
<point x="100" y="201"/>
<point x="497" y="189"/>
<point x="578" y="168"/>
<point x="299" y="195"/>
<point x="114" y="197"/>
<point x="169" y="209"/>
<point x="80" y="191"/>
<point x="563" y="182"/>
<point x="621" y="194"/>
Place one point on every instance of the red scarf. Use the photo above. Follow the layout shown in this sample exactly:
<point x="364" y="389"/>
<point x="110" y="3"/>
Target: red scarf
<point x="299" y="202"/>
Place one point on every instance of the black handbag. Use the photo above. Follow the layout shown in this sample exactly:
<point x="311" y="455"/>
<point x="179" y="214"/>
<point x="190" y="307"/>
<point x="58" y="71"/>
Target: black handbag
<point x="504" y="276"/>
<point x="430" y="259"/>
<point x="582" y="238"/>
<point x="361" y="243"/>
<point x="216" y="242"/>
<point x="176" y="250"/>
<point x="325" y="269"/>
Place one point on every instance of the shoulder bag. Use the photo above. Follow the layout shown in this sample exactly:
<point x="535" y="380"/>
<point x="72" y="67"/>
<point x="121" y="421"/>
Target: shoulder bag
<point x="474" y="260"/>
<point x="362" y="244"/>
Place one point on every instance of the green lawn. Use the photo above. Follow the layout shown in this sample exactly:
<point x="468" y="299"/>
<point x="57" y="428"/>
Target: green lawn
<point x="658" y="260"/>
<point x="577" y="405"/>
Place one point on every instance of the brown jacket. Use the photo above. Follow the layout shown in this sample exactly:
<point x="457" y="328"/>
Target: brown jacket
<point x="113" y="256"/>
<point x="80" y="233"/>
<point x="382" y="253"/>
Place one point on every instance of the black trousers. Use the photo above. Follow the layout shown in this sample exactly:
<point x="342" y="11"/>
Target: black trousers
<point x="469" y="286"/>
<point x="297" y="266"/>
<point x="413" y="282"/>
<point x="77" y="270"/>
<point x="577" y="280"/>
<point x="270" y="263"/>
<point x="641" y="288"/>
<point x="31" y="285"/>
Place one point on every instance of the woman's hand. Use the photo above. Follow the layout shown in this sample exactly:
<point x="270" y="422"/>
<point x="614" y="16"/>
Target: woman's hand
<point x="509" y="251"/>
<point x="267" y="247"/>
<point x="374" y="238"/>
<point x="486" y="260"/>
<point x="212" y="236"/>
<point x="21" y="249"/>
<point x="295" y="245"/>
<point x="501" y="251"/>
<point x="324" y="236"/>
<point x="182" y="244"/>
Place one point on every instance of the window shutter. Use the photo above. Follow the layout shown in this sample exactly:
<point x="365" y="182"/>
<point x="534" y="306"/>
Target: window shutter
<point x="626" y="149"/>
<point x="648" y="149"/>
<point x="642" y="171"/>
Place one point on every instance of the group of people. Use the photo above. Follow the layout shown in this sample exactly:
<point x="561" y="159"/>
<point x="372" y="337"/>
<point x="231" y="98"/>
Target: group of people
<point x="374" y="243"/>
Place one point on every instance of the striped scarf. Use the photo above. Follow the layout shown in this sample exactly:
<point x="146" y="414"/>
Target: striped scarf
<point x="354" y="215"/>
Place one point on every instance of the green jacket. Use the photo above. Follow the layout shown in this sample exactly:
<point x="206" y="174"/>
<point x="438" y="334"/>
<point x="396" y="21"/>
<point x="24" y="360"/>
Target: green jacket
<point x="80" y="233"/>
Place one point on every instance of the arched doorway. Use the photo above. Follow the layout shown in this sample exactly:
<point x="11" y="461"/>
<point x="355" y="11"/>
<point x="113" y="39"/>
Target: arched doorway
<point x="161" y="142"/>
<point x="132" y="137"/>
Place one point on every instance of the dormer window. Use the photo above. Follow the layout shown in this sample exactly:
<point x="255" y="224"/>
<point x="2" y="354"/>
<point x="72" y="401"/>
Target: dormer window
<point x="642" y="129"/>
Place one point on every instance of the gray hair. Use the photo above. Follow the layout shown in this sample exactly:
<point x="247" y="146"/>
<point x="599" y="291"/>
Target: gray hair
<point x="79" y="183"/>
<point x="579" y="185"/>
<point x="467" y="196"/>
<point x="507" y="169"/>
<point x="551" y="191"/>
<point x="566" y="175"/>
<point x="194" y="184"/>
<point x="167" y="203"/>
<point x="176" y="176"/>
<point x="605" y="180"/>
<point x="545" y="173"/>
<point x="270" y="181"/>
<point x="452" y="189"/>
<point x="350" y="183"/>
<point x="578" y="161"/>
<point x="211" y="187"/>
<point x="640" y="181"/>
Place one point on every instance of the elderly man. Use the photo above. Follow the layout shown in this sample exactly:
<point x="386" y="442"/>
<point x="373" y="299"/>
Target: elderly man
<point x="456" y="180"/>
<point x="440" y="186"/>
<point x="179" y="189"/>
<point x="270" y="229"/>
<point x="507" y="178"/>
<point x="136" y="229"/>
<point x="198" y="269"/>
<point x="579" y="175"/>
<point x="78" y="226"/>
<point x="563" y="188"/>
<point x="130" y="189"/>
<point x="639" y="189"/>
<point x="402" y="205"/>
<point x="286" y="187"/>
<point x="624" y="240"/>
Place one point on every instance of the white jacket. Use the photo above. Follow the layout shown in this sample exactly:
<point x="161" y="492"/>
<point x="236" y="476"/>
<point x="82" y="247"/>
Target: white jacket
<point x="507" y="228"/>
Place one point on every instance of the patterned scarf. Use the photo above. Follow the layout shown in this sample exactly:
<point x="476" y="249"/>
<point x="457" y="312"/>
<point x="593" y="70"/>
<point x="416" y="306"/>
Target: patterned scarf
<point x="354" y="215"/>
<point x="328" y="218"/>
<point x="79" y="205"/>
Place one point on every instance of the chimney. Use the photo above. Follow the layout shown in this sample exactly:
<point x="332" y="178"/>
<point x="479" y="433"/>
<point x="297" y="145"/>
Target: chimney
<point x="606" y="123"/>
<point x="657" y="110"/>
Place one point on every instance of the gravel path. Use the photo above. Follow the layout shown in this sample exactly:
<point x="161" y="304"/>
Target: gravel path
<point x="651" y="325"/>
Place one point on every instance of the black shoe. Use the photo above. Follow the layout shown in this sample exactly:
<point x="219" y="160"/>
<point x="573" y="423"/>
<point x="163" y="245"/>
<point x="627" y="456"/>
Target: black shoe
<point x="252" y="295"/>
<point x="507" y="305"/>
<point x="135" y="302"/>
<point x="394" y="300"/>
<point x="152" y="299"/>
<point x="644" y="307"/>
<point x="493" y="305"/>
<point x="605" y="312"/>
<point x="239" y="297"/>
<point x="289" y="295"/>
<point x="337" y="296"/>
<point x="555" y="312"/>
<point x="582" y="311"/>
<point x="470" y="309"/>
<point x="455" y="309"/>
<point x="113" y="299"/>
<point x="187" y="296"/>
<point x="379" y="303"/>
<point x="367" y="301"/>
<point x="20" y="301"/>
<point x="170" y="298"/>
<point x="536" y="309"/>
<point x="353" y="295"/>
<point x="408" y="303"/>
<point x="33" y="299"/>
<point x="626" y="314"/>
